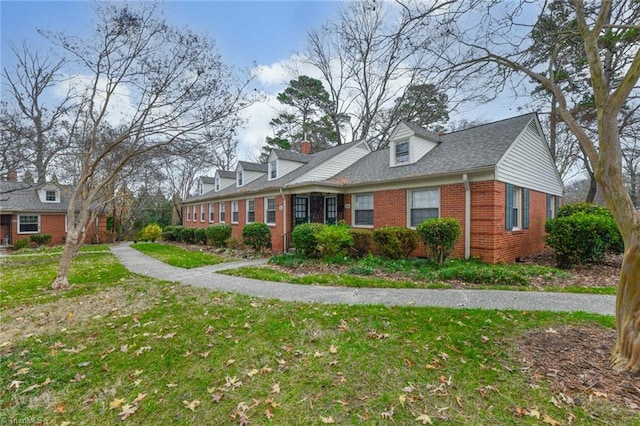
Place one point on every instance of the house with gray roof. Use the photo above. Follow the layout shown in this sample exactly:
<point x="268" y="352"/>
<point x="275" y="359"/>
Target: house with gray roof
<point x="29" y="208"/>
<point x="497" y="179"/>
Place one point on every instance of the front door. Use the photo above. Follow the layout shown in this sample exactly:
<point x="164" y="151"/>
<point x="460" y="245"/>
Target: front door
<point x="330" y="210"/>
<point x="300" y="210"/>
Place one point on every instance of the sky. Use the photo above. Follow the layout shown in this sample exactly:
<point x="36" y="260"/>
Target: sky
<point x="250" y="35"/>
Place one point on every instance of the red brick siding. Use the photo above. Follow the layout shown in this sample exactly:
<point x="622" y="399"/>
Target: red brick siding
<point x="54" y="224"/>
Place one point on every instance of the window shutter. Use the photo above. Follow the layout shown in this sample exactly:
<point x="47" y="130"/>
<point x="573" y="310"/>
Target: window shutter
<point x="549" y="206"/>
<point x="508" y="207"/>
<point x="557" y="201"/>
<point x="525" y="208"/>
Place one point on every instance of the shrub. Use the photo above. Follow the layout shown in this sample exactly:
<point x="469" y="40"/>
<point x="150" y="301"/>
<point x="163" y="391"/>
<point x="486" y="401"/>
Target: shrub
<point x="587" y="208"/>
<point x="21" y="243"/>
<point x="583" y="238"/>
<point x="232" y="243"/>
<point x="151" y="232"/>
<point x="257" y="235"/>
<point x="177" y="232"/>
<point x="218" y="234"/>
<point x="200" y="236"/>
<point x="41" y="239"/>
<point x="440" y="235"/>
<point x="362" y="241"/>
<point x="168" y="233"/>
<point x="188" y="235"/>
<point x="289" y="260"/>
<point x="333" y="241"/>
<point x="304" y="239"/>
<point x="395" y="242"/>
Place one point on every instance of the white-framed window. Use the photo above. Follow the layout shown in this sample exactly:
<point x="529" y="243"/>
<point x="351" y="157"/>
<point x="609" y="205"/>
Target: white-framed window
<point x="188" y="213"/>
<point x="402" y="152"/>
<point x="50" y="196"/>
<point x="273" y="169"/>
<point x="217" y="183"/>
<point x="212" y="216"/>
<point x="28" y="224"/>
<point x="270" y="210"/>
<point x="552" y="206"/>
<point x="221" y="212"/>
<point x="202" y="213"/>
<point x="423" y="204"/>
<point x="251" y="211"/>
<point x="363" y="210"/>
<point x="234" y="212"/>
<point x="516" y="208"/>
<point x="239" y="177"/>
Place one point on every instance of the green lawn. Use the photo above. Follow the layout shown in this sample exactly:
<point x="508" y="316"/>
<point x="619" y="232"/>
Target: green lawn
<point x="150" y="352"/>
<point x="177" y="256"/>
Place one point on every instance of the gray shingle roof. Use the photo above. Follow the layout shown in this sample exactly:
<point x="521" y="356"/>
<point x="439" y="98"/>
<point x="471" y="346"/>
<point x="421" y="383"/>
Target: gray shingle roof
<point x="226" y="174"/>
<point x="207" y="179"/>
<point x="420" y="131"/>
<point x="292" y="155"/>
<point x="474" y="148"/>
<point x="23" y="197"/>
<point x="253" y="167"/>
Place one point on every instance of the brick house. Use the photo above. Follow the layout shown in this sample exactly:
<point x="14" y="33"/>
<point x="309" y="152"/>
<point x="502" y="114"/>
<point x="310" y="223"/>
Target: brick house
<point x="27" y="209"/>
<point x="498" y="180"/>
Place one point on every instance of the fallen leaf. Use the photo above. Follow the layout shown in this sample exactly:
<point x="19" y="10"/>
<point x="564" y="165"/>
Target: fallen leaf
<point x="425" y="419"/>
<point x="60" y="407"/>
<point x="534" y="413"/>
<point x="327" y="420"/>
<point x="127" y="411"/>
<point x="333" y="349"/>
<point x="387" y="415"/>
<point x="191" y="405"/>
<point x="318" y="354"/>
<point x="230" y="362"/>
<point x="217" y="397"/>
<point x="253" y="372"/>
<point x="139" y="398"/>
<point x="275" y="388"/>
<point x="172" y="385"/>
<point x="116" y="403"/>
<point x="268" y="414"/>
<point x="550" y="421"/>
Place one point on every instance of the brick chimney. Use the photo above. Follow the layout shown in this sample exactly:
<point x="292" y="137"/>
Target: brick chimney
<point x="305" y="148"/>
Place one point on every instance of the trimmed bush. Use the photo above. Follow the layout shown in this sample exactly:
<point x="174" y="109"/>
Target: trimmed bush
<point x="200" y="236"/>
<point x="439" y="235"/>
<point x="395" y="242"/>
<point x="188" y="235"/>
<point x="583" y="238"/>
<point x="362" y="241"/>
<point x="587" y="208"/>
<point x="218" y="234"/>
<point x="232" y="243"/>
<point x="304" y="239"/>
<point x="21" y="243"/>
<point x="168" y="233"/>
<point x="257" y="235"/>
<point x="41" y="239"/>
<point x="333" y="241"/>
<point x="151" y="232"/>
<point x="177" y="232"/>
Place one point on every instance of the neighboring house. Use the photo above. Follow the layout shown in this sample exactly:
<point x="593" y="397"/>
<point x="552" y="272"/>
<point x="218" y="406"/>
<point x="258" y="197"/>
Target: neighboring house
<point x="27" y="209"/>
<point x="498" y="180"/>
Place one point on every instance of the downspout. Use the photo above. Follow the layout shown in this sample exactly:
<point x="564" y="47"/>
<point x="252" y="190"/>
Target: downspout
<point x="284" y="219"/>
<point x="467" y="216"/>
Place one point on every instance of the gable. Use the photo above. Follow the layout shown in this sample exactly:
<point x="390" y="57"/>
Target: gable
<point x="528" y="162"/>
<point x="334" y="164"/>
<point x="408" y="144"/>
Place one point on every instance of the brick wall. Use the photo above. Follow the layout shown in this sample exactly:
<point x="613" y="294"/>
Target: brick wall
<point x="54" y="224"/>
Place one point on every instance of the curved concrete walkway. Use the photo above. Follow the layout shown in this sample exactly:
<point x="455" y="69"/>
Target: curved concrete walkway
<point x="207" y="277"/>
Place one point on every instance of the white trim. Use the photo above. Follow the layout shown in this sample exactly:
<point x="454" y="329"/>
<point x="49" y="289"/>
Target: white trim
<point x="353" y="209"/>
<point x="325" y="207"/>
<point x="275" y="209"/>
<point x="212" y="213"/>
<point x="236" y="211"/>
<point x="410" y="202"/>
<point x="246" y="209"/>
<point x="202" y="213"/>
<point x="29" y="232"/>
<point x="517" y="204"/>
<point x="221" y="210"/>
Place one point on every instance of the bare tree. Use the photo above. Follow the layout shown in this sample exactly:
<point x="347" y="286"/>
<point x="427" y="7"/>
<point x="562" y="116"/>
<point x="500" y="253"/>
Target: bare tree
<point x="494" y="38"/>
<point x="369" y="57"/>
<point x="37" y="122"/>
<point x="154" y="85"/>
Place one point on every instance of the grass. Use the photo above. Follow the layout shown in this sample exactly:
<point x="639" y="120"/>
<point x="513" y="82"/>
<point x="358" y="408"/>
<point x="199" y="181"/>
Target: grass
<point x="172" y="354"/>
<point x="177" y="256"/>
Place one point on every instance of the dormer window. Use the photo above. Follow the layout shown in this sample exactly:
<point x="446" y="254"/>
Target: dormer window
<point x="402" y="152"/>
<point x="239" y="177"/>
<point x="217" y="184"/>
<point x="273" y="169"/>
<point x="50" y="196"/>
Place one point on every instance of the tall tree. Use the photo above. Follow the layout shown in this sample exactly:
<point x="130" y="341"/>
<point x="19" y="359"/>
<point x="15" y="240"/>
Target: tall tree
<point x="368" y="57"/>
<point x="151" y="84"/>
<point x="501" y="42"/>
<point x="37" y="121"/>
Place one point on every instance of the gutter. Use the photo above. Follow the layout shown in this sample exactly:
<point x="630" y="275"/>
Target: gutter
<point x="467" y="216"/>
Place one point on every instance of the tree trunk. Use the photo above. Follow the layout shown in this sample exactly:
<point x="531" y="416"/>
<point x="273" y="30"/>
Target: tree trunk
<point x="71" y="247"/>
<point x="626" y="355"/>
<point x="593" y="189"/>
